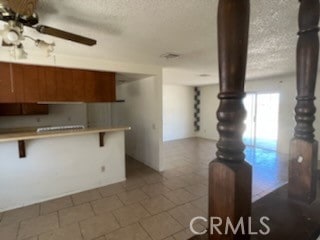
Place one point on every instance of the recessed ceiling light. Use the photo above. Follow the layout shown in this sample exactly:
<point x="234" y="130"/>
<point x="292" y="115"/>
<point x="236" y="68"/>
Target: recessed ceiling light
<point x="204" y="75"/>
<point x="170" y="55"/>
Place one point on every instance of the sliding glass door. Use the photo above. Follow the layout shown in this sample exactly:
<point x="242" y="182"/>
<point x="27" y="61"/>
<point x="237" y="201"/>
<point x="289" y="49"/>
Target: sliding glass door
<point x="262" y="120"/>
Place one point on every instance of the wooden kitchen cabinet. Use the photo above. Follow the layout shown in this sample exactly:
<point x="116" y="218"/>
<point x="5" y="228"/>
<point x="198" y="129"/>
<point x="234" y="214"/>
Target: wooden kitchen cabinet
<point x="34" y="109"/>
<point x="31" y="84"/>
<point x="100" y="87"/>
<point x="105" y="81"/>
<point x="27" y="76"/>
<point x="64" y="84"/>
<point x="7" y="93"/>
<point x="10" y="109"/>
<point x="48" y="82"/>
<point x="15" y="109"/>
<point x="78" y="82"/>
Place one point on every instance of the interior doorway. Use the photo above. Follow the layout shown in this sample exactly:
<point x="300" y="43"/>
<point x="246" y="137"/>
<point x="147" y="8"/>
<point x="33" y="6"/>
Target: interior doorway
<point x="262" y="120"/>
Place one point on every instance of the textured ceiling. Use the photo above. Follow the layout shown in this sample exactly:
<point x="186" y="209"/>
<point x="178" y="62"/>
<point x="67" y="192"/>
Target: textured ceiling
<point x="140" y="31"/>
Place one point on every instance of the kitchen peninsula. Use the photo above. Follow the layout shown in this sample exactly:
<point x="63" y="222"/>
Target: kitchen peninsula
<point x="59" y="163"/>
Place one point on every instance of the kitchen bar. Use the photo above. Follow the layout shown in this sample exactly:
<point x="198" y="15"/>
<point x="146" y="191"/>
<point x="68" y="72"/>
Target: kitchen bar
<point x="59" y="163"/>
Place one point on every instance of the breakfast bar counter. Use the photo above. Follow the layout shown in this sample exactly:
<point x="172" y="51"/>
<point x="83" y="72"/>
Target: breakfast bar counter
<point x="35" y="167"/>
<point x="33" y="134"/>
<point x="29" y="134"/>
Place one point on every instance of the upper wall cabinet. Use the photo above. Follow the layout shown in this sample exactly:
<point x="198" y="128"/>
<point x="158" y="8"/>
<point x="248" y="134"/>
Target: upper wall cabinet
<point x="97" y="88"/>
<point x="48" y="83"/>
<point x="7" y="93"/>
<point x="27" y="83"/>
<point x="31" y="84"/>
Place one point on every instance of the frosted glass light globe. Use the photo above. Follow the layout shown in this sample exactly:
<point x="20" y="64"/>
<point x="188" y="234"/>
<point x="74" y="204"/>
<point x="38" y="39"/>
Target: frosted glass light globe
<point x="12" y="36"/>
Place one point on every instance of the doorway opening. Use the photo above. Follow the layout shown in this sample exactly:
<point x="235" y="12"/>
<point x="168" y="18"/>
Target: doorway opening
<point x="262" y="120"/>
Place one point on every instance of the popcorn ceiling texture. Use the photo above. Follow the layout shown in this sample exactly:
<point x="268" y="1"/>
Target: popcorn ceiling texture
<point x="141" y="30"/>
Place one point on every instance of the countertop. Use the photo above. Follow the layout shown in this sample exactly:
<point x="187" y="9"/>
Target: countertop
<point x="32" y="134"/>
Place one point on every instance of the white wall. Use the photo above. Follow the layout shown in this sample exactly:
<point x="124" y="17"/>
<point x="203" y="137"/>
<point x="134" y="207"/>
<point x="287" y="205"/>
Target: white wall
<point x="143" y="99"/>
<point x="99" y="114"/>
<point x="178" y="112"/>
<point x="59" y="114"/>
<point x="56" y="167"/>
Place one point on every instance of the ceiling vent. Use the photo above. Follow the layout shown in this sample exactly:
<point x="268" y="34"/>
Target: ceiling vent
<point x="170" y="56"/>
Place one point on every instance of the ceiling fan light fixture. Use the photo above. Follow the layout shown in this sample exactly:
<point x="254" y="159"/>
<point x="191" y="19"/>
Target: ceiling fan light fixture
<point x="47" y="47"/>
<point x="22" y="13"/>
<point x="12" y="36"/>
<point x="18" y="52"/>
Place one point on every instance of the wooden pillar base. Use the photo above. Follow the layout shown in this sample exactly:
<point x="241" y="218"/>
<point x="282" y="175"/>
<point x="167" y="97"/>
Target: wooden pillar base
<point x="230" y="197"/>
<point x="303" y="170"/>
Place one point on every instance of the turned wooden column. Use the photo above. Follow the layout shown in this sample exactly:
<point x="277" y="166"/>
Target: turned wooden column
<point x="303" y="147"/>
<point x="230" y="177"/>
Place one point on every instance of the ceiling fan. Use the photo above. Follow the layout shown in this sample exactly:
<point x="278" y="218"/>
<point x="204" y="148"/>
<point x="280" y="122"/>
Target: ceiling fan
<point x="21" y="13"/>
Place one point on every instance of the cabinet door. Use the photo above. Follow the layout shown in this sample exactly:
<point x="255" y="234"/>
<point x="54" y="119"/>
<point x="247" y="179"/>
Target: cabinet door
<point x="48" y="83"/>
<point x="105" y="82"/>
<point x="18" y="109"/>
<point x="31" y="84"/>
<point x="100" y="87"/>
<point x="10" y="109"/>
<point x="18" y="82"/>
<point x="90" y="86"/>
<point x="78" y="79"/>
<point x="7" y="93"/>
<point x="64" y="83"/>
<point x="34" y="109"/>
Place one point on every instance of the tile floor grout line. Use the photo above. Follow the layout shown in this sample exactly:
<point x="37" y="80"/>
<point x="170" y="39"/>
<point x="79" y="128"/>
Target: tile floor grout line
<point x="73" y="204"/>
<point x="145" y="229"/>
<point x="145" y="208"/>
<point x="115" y="217"/>
<point x="18" y="229"/>
<point x="59" y="220"/>
<point x="82" y="236"/>
<point x="92" y="209"/>
<point x="97" y="189"/>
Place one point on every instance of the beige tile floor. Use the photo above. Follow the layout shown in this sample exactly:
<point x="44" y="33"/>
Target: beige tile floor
<point x="147" y="206"/>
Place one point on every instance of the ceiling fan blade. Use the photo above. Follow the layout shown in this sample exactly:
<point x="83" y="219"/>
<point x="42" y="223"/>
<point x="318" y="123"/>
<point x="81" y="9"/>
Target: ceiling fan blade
<point x="65" y="35"/>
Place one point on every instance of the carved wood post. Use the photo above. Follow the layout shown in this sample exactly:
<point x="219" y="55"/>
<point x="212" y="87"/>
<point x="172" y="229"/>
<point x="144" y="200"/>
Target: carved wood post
<point x="230" y="177"/>
<point x="303" y="147"/>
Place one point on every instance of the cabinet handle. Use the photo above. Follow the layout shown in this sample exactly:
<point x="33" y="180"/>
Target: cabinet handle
<point x="11" y="78"/>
